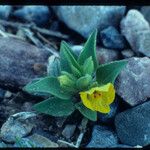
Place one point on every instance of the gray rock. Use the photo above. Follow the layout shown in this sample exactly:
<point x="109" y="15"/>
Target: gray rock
<point x="112" y="39"/>
<point x="40" y="15"/>
<point x="17" y="126"/>
<point x="145" y="10"/>
<point x="102" y="137"/>
<point x="35" y="140"/>
<point x="133" y="125"/>
<point x="133" y="82"/>
<point x="5" y="11"/>
<point x="106" y="55"/>
<point x="127" y="53"/>
<point x="2" y="145"/>
<point x="2" y="94"/>
<point x="60" y="121"/>
<point x="77" y="49"/>
<point x="84" y="19"/>
<point x="137" y="31"/>
<point x="20" y="62"/>
<point x="68" y="131"/>
<point x="106" y="118"/>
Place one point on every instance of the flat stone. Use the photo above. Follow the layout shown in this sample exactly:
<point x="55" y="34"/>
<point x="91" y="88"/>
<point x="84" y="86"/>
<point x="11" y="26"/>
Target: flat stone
<point x="102" y="137"/>
<point x="127" y="53"/>
<point x="137" y="31"/>
<point x="112" y="39"/>
<point x="40" y="15"/>
<point x="20" y="63"/>
<point x="17" y="126"/>
<point x="133" y="82"/>
<point x="68" y="131"/>
<point x="85" y="19"/>
<point x="133" y="125"/>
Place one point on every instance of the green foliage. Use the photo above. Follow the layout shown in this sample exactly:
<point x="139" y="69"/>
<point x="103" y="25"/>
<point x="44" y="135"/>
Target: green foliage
<point x="70" y="75"/>
<point x="108" y="72"/>
<point x="55" y="107"/>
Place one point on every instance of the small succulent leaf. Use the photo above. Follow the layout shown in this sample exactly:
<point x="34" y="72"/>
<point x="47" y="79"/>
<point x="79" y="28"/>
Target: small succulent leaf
<point x="83" y="82"/>
<point x="67" y="58"/>
<point x="89" y="49"/>
<point x="53" y="68"/>
<point x="48" y="85"/>
<point x="91" y="115"/>
<point x="55" y="107"/>
<point x="69" y="75"/>
<point x="75" y="71"/>
<point x="88" y="66"/>
<point x="108" y="72"/>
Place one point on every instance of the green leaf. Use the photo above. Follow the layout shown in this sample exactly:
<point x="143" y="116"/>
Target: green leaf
<point x="48" y="85"/>
<point x="108" y="72"/>
<point x="53" y="68"/>
<point x="75" y="71"/>
<point x="91" y="115"/>
<point x="55" y="107"/>
<point x="83" y="82"/>
<point x="89" y="50"/>
<point x="67" y="58"/>
<point x="88" y="66"/>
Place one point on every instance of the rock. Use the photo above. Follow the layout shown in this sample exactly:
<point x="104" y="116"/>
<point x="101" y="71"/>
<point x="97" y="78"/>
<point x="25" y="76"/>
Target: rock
<point x="2" y="94"/>
<point x="106" y="55"/>
<point x="85" y="19"/>
<point x="8" y="94"/>
<point x="107" y="118"/>
<point x="133" y="125"/>
<point x="20" y="63"/>
<point x="127" y="53"/>
<point x="27" y="106"/>
<point x="77" y="49"/>
<point x="35" y="140"/>
<point x="40" y="15"/>
<point x="112" y="39"/>
<point x="5" y="11"/>
<point x="145" y="10"/>
<point x="60" y="121"/>
<point x="68" y="131"/>
<point x="137" y="32"/>
<point x="133" y="82"/>
<point x="2" y="145"/>
<point x="102" y="137"/>
<point x="17" y="126"/>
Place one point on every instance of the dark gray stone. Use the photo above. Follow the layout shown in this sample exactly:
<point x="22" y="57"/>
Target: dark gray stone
<point x="133" y="82"/>
<point x="20" y="62"/>
<point x="112" y="39"/>
<point x="106" y="118"/>
<point x="106" y="55"/>
<point x="133" y="125"/>
<point x="84" y="19"/>
<point x="145" y="10"/>
<point x="5" y="11"/>
<point x="40" y="15"/>
<point x="2" y="94"/>
<point x="68" y="131"/>
<point x="17" y="126"/>
<point x="102" y="137"/>
<point x="127" y="53"/>
<point x="137" y="32"/>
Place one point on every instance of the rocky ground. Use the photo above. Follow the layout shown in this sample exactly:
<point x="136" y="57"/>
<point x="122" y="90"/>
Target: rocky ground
<point x="29" y="36"/>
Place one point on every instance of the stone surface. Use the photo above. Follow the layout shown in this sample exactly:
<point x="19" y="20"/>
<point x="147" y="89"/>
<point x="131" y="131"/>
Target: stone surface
<point x="84" y="19"/>
<point x="2" y="94"/>
<point x="68" y="131"/>
<point x="112" y="39"/>
<point x="77" y="49"/>
<point x="107" y="118"/>
<point x="133" y="125"/>
<point x="127" y="53"/>
<point x="145" y="10"/>
<point x="137" y="32"/>
<point x="5" y="11"/>
<point x="102" y="137"/>
<point x="133" y="82"/>
<point x="106" y="55"/>
<point x="20" y="62"/>
<point x="37" y="14"/>
<point x="17" y="126"/>
<point x="35" y="141"/>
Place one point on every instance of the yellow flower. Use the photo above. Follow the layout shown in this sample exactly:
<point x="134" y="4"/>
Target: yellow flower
<point x="99" y="98"/>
